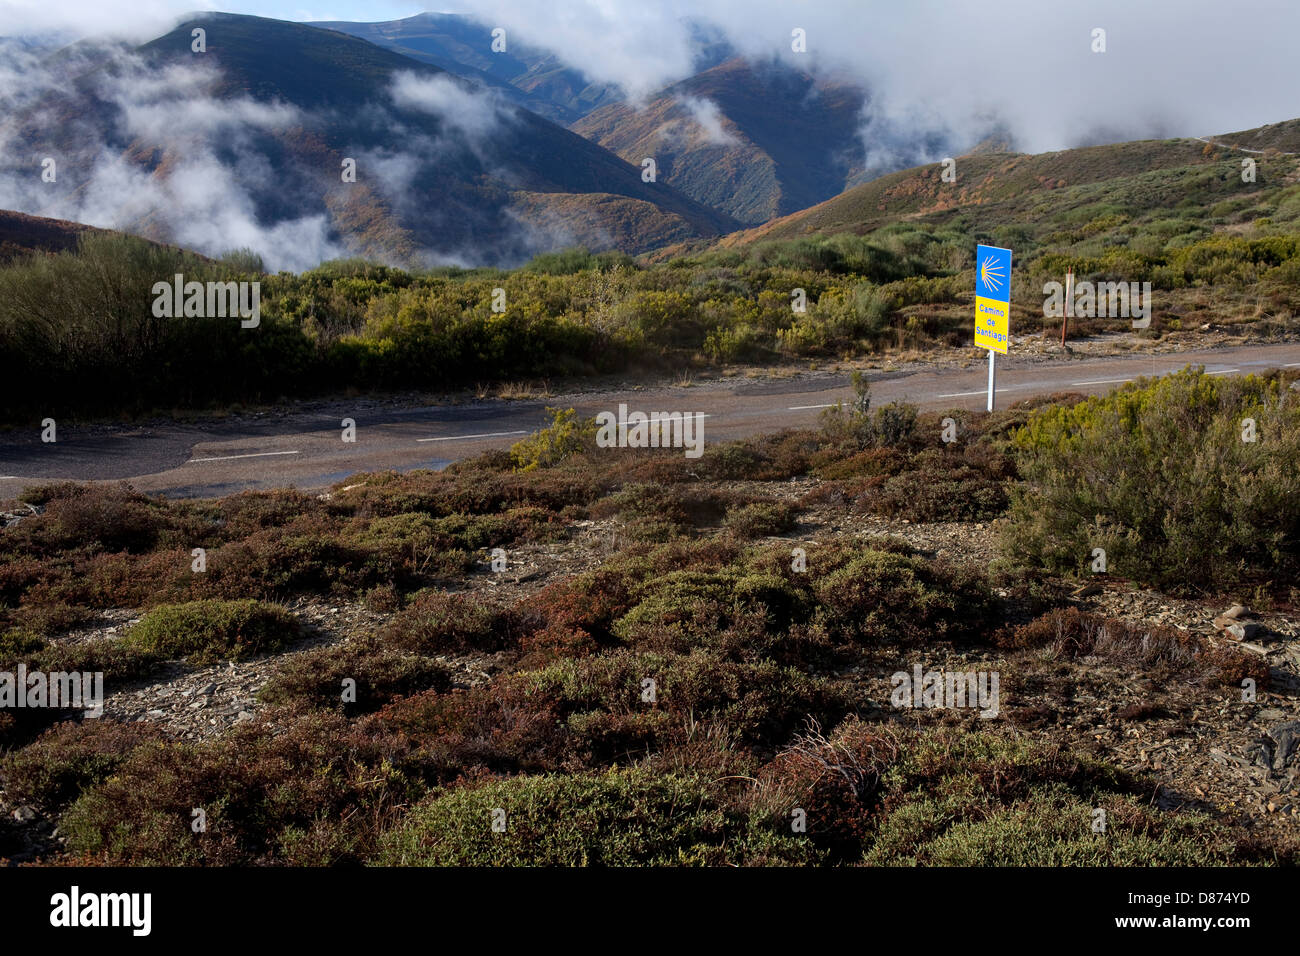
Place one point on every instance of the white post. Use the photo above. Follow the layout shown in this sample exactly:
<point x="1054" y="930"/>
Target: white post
<point x="992" y="377"/>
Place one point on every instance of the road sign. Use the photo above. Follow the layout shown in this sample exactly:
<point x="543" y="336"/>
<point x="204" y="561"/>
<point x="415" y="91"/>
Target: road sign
<point x="992" y="298"/>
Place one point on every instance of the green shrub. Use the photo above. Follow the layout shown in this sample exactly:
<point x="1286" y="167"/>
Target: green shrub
<point x="1158" y="475"/>
<point x="621" y="818"/>
<point x="761" y="519"/>
<point x="206" y="630"/>
<point x="17" y="644"/>
<point x="880" y="597"/>
<point x="69" y="758"/>
<point x="564" y="437"/>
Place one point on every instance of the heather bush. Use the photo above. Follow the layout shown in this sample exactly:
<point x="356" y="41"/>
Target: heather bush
<point x="206" y="630"/>
<point x="631" y="817"/>
<point x="440" y="623"/>
<point x="880" y="597"/>
<point x="69" y="758"/>
<point x="760" y="702"/>
<point x="499" y="728"/>
<point x="1158" y="476"/>
<point x="312" y="793"/>
<point x="1164" y="652"/>
<point x="316" y="678"/>
<point x="761" y="519"/>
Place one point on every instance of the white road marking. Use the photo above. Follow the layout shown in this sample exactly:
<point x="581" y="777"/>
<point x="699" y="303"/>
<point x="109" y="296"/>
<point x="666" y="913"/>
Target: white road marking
<point x="1103" y="381"/>
<point x="800" y="408"/>
<point x="1291" y="364"/>
<point x="1226" y="371"/>
<point x="259" y="454"/>
<point x="522" y="431"/>
<point x="468" y="437"/>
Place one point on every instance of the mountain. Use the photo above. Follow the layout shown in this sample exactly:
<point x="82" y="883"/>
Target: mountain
<point x="529" y="76"/>
<point x="760" y="139"/>
<point x="20" y="234"/>
<point x="1095" y="191"/>
<point x="1284" y="137"/>
<point x="754" y="140"/>
<point x="248" y="140"/>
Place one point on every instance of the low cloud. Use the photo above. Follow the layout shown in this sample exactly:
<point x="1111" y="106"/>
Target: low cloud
<point x="472" y="114"/>
<point x="203" y="193"/>
<point x="708" y="119"/>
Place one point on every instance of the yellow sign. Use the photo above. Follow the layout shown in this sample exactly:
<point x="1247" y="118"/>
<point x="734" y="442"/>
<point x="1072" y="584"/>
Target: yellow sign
<point x="992" y="324"/>
<point x="992" y="298"/>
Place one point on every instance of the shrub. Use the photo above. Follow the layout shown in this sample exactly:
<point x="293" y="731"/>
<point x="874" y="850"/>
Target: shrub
<point x="118" y="659"/>
<point x="675" y="506"/>
<point x="889" y="426"/>
<point x="17" y="644"/>
<point x="1157" y="475"/>
<point x="316" y="677"/>
<point x="621" y="818"/>
<point x="563" y="438"/>
<point x="1070" y="633"/>
<point x="761" y="519"/>
<point x="440" y="623"/>
<point x="497" y="728"/>
<point x="69" y="758"/>
<point x="207" y="630"/>
<point x="309" y="793"/>
<point x="883" y="597"/>
<point x="938" y="485"/>
<point x="760" y="703"/>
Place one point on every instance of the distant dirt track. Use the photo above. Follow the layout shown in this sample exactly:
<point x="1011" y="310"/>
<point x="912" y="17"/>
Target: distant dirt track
<point x="305" y="449"/>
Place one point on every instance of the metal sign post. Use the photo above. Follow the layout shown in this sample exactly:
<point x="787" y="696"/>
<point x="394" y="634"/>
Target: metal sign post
<point x="993" y="377"/>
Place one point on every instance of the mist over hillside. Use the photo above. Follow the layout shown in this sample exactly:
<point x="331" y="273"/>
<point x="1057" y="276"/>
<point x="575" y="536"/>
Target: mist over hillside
<point x="247" y="144"/>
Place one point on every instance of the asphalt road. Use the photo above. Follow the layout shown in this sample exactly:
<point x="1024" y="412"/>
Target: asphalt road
<point x="305" y="448"/>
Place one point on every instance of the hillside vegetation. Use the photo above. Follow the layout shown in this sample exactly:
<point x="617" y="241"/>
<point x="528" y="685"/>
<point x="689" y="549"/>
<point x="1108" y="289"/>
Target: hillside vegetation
<point x="697" y="693"/>
<point x="77" y="333"/>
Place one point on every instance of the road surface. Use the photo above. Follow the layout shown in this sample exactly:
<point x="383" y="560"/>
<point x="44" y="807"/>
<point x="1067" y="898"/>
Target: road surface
<point x="305" y="448"/>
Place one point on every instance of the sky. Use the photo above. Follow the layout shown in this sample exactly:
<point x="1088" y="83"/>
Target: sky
<point x="1171" y="67"/>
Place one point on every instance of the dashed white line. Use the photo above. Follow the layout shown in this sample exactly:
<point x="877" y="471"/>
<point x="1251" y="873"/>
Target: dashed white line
<point x="1103" y="381"/>
<point x="258" y="454"/>
<point x="800" y="408"/>
<point x="483" y="435"/>
<point x="1224" y="371"/>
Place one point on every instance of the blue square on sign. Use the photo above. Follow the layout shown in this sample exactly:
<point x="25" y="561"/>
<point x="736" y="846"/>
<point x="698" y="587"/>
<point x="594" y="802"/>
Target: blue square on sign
<point x="993" y="273"/>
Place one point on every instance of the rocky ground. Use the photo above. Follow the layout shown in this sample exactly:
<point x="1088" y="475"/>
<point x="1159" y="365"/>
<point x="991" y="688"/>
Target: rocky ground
<point x="1197" y="746"/>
